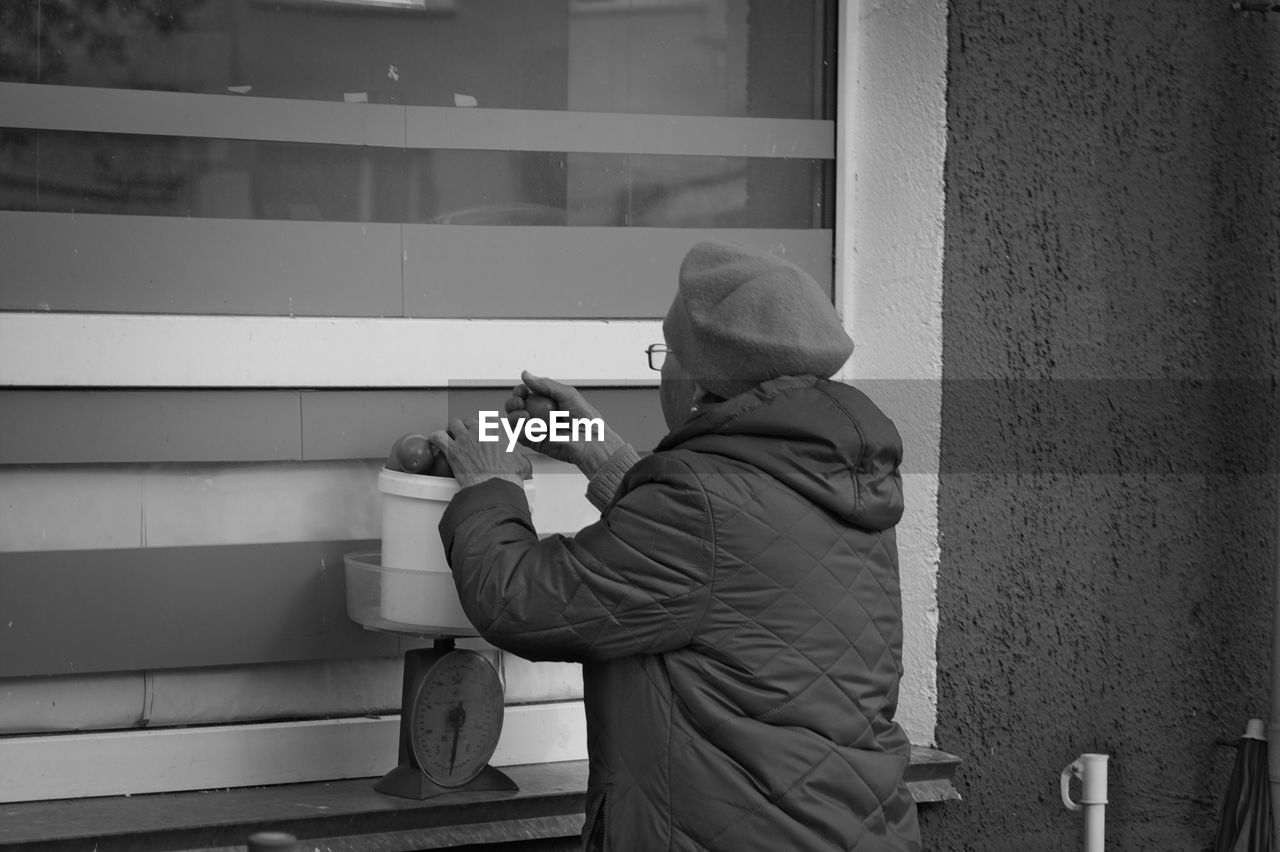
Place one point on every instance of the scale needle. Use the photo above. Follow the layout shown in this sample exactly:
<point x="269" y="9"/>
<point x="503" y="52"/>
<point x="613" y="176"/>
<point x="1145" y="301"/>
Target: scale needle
<point x="457" y="716"/>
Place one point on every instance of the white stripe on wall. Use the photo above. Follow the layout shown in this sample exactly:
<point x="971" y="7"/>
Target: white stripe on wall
<point x="136" y="350"/>
<point x="125" y="506"/>
<point x="174" y="505"/>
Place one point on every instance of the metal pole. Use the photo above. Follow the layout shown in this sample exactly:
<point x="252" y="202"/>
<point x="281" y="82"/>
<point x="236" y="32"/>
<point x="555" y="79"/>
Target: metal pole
<point x="1273" y="740"/>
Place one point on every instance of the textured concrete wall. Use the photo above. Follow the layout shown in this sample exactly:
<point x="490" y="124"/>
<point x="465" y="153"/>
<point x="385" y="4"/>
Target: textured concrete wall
<point x="1107" y="507"/>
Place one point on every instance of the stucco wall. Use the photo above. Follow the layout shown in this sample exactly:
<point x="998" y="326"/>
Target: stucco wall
<point x="1106" y="506"/>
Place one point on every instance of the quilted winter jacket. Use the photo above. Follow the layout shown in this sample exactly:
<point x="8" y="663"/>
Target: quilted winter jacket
<point x="737" y="612"/>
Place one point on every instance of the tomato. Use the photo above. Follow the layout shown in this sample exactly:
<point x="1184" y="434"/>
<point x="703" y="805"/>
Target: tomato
<point x="413" y="453"/>
<point x="439" y="465"/>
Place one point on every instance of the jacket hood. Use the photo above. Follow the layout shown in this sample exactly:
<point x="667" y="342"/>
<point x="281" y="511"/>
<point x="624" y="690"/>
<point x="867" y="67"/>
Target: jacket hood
<point x="825" y="440"/>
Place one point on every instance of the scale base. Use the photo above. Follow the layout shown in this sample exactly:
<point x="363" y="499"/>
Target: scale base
<point x="409" y="782"/>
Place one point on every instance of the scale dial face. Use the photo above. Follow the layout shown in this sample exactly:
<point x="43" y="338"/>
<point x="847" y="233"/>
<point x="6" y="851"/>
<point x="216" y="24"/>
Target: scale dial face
<point x="455" y="718"/>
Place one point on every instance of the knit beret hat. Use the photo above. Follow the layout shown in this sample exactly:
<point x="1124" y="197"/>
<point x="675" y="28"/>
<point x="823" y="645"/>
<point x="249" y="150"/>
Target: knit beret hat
<point x="742" y="316"/>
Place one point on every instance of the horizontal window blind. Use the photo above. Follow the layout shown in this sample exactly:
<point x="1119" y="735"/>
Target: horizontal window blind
<point x="98" y="110"/>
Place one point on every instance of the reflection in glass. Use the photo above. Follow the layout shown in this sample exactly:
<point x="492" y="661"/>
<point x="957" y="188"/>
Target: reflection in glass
<point x="64" y="171"/>
<point x="758" y="58"/>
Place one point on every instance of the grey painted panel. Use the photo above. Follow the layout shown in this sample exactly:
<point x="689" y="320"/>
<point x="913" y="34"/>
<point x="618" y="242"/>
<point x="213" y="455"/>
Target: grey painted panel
<point x="634" y="413"/>
<point x="162" y="264"/>
<point x="117" y="426"/>
<point x="84" y="427"/>
<point x="548" y="273"/>
<point x="85" y="611"/>
<point x="365" y="423"/>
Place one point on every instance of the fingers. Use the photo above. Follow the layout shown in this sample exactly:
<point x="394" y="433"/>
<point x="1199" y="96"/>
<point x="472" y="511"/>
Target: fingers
<point x="543" y="386"/>
<point x="518" y="406"/>
<point x="456" y="431"/>
<point x="441" y="440"/>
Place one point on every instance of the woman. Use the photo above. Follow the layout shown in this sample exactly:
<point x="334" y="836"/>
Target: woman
<point x="736" y="607"/>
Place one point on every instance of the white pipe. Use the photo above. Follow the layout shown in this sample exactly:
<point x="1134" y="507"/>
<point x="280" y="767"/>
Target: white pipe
<point x="1091" y="769"/>
<point x="326" y="688"/>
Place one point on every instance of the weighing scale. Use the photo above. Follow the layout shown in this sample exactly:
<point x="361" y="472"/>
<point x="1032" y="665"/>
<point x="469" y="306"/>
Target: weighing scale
<point x="451" y="701"/>
<point x="450" y="719"/>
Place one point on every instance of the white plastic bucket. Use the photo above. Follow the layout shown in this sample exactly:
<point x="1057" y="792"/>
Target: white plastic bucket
<point x="412" y="505"/>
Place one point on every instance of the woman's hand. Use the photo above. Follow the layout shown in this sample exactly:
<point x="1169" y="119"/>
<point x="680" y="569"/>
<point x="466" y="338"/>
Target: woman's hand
<point x="535" y="396"/>
<point x="475" y="461"/>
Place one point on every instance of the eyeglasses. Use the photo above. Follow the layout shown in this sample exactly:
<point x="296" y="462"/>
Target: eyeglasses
<point x="657" y="355"/>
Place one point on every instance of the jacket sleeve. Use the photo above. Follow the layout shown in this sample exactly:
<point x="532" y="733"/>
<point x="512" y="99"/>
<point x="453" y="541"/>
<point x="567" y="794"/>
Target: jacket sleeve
<point x="637" y="581"/>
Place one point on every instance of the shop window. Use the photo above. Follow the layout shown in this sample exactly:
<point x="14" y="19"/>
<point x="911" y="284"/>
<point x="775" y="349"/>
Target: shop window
<point x="690" y="114"/>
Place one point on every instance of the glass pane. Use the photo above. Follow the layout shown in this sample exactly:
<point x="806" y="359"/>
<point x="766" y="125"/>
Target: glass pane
<point x="695" y="192"/>
<point x="65" y="171"/>
<point x="759" y="58"/>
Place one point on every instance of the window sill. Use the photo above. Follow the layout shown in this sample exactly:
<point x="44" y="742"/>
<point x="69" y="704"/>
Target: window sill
<point x="930" y="773"/>
<point x="343" y="816"/>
